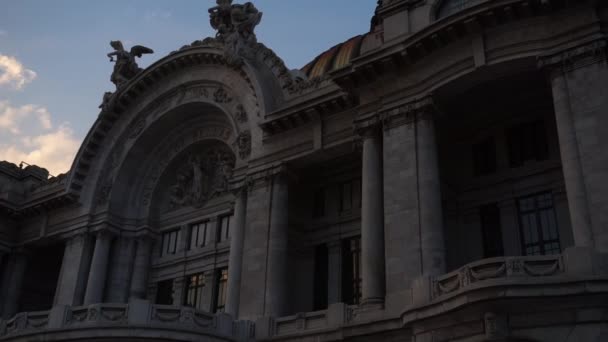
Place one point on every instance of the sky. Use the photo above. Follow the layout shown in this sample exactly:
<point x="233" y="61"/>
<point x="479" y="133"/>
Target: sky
<point x="54" y="69"/>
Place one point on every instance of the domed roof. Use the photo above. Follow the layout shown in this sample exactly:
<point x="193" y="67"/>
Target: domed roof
<point x="335" y="58"/>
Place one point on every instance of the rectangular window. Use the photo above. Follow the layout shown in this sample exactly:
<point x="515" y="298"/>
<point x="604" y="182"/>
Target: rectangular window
<point x="319" y="204"/>
<point x="221" y="287"/>
<point x="538" y="225"/>
<point x="350" y="195"/>
<point x="170" y="240"/>
<point x="320" y="280"/>
<point x="195" y="286"/>
<point x="351" y="270"/>
<point x="164" y="292"/>
<point x="223" y="233"/>
<point x="527" y="142"/>
<point x="491" y="231"/>
<point x="198" y="235"/>
<point x="484" y="157"/>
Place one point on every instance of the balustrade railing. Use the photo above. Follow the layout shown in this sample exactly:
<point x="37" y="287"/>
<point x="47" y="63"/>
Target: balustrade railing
<point x="136" y="314"/>
<point x="497" y="268"/>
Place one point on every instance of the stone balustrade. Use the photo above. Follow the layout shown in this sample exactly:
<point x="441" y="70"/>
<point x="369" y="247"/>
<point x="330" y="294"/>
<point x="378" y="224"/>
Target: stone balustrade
<point x="136" y="314"/>
<point x="496" y="268"/>
<point x="304" y="323"/>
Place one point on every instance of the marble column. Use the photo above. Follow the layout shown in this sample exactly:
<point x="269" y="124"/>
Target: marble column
<point x="372" y="219"/>
<point x="141" y="266"/>
<point x="334" y="274"/>
<point x="99" y="268"/>
<point x="74" y="271"/>
<point x="13" y="283"/>
<point x="235" y="263"/>
<point x="571" y="163"/>
<point x="429" y="196"/>
<point x="276" y="295"/>
<point x="120" y="270"/>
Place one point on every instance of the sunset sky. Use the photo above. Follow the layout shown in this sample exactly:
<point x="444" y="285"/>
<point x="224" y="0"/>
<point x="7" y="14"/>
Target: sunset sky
<point x="54" y="69"/>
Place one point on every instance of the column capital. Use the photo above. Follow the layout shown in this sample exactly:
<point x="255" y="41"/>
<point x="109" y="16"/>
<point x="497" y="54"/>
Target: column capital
<point x="261" y="177"/>
<point x="571" y="57"/>
<point x="409" y="111"/>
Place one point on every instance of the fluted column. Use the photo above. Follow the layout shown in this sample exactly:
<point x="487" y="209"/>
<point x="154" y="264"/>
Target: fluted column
<point x="99" y="269"/>
<point x="13" y="283"/>
<point x="71" y="285"/>
<point x="372" y="218"/>
<point x="276" y="287"/>
<point x="429" y="194"/>
<point x="141" y="266"/>
<point x="235" y="263"/>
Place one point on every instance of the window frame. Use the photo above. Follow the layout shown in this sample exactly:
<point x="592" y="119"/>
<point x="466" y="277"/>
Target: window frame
<point x="195" y="288"/>
<point x="220" y="290"/>
<point x="224" y="235"/>
<point x="205" y="228"/>
<point x="166" y="242"/>
<point x="538" y="224"/>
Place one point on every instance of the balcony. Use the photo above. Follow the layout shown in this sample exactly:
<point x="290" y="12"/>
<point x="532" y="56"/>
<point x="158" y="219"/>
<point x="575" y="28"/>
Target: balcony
<point x="123" y="322"/>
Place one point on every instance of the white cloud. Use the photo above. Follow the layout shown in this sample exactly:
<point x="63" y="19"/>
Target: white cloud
<point x="13" y="118"/>
<point x="12" y="73"/>
<point x="42" y="145"/>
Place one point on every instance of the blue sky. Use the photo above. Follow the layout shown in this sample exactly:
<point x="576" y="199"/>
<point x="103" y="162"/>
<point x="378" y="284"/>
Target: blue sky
<point x="54" y="69"/>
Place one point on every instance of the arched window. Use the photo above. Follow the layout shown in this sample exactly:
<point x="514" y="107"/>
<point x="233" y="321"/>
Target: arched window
<point x="449" y="7"/>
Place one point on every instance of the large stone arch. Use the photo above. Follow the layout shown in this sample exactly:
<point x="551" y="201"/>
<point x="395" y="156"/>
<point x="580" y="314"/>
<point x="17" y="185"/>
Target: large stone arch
<point x="197" y="73"/>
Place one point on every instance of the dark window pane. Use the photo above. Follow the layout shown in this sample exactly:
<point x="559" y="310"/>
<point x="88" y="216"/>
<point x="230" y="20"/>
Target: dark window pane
<point x="195" y="285"/>
<point x="170" y="242"/>
<point x="346" y="196"/>
<point x="538" y="225"/>
<point x="484" y="157"/>
<point x="491" y="231"/>
<point x="319" y="203"/>
<point x="527" y="142"/>
<point x="224" y="229"/>
<point x="320" y="280"/>
<point x="164" y="293"/>
<point x="220" y="290"/>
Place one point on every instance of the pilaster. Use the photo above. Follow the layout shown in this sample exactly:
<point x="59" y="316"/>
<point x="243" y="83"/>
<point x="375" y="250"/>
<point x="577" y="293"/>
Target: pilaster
<point x="579" y="77"/>
<point x="235" y="264"/>
<point x="71" y="285"/>
<point x="99" y="268"/>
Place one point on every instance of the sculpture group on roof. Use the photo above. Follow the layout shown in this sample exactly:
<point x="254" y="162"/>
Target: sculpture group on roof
<point x="235" y="24"/>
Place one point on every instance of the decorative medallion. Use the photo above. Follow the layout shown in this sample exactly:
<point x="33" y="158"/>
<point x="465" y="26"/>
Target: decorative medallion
<point x="240" y="114"/>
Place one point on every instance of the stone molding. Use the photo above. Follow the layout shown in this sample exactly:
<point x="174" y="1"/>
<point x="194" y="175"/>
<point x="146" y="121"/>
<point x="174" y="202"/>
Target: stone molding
<point x="395" y="115"/>
<point x="571" y="58"/>
<point x="202" y="92"/>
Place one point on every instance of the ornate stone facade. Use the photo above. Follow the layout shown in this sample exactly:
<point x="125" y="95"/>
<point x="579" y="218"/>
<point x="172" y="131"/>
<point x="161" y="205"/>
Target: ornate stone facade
<point x="218" y="196"/>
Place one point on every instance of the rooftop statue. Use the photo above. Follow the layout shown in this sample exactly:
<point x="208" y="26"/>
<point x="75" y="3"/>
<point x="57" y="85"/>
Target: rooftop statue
<point x="235" y="26"/>
<point x="125" y="68"/>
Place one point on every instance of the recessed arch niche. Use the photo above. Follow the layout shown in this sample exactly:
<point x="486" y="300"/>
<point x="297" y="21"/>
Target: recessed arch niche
<point x="147" y="168"/>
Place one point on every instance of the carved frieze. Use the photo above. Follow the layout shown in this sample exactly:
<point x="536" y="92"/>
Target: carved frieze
<point x="207" y="133"/>
<point x="201" y="177"/>
<point x="221" y="96"/>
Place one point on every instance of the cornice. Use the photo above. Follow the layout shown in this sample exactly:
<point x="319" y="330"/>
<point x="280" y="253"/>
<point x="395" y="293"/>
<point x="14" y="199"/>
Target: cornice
<point x="405" y="51"/>
<point x="394" y="114"/>
<point x="574" y="56"/>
